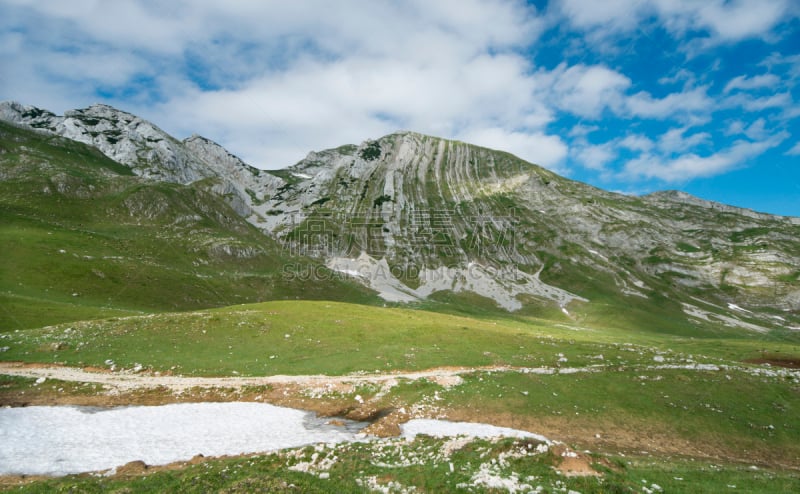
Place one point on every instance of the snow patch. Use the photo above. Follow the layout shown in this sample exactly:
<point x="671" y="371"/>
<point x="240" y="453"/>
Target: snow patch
<point x="445" y="428"/>
<point x="736" y="307"/>
<point x="64" y="440"/>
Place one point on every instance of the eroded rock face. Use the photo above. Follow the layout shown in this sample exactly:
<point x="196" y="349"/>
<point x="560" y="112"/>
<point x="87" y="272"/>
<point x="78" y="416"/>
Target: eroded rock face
<point x="421" y="205"/>
<point x="149" y="151"/>
<point x="412" y="215"/>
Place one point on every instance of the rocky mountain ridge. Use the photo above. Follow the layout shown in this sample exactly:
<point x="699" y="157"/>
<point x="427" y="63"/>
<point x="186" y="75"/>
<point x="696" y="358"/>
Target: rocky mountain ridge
<point x="147" y="150"/>
<point x="415" y="217"/>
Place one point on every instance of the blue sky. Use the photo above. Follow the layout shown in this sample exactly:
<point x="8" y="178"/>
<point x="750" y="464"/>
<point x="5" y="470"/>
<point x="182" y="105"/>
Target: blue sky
<point x="628" y="95"/>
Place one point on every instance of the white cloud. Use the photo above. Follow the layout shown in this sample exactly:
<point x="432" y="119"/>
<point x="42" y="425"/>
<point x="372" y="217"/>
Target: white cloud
<point x="756" y="131"/>
<point x="682" y="75"/>
<point x="722" y="21"/>
<point x="546" y="150"/>
<point x="587" y="90"/>
<point x="637" y="143"/>
<point x="581" y="130"/>
<point x="690" y="165"/>
<point x="162" y="27"/>
<point x="325" y="102"/>
<point x="273" y="80"/>
<point x="595" y="156"/>
<point x="614" y="15"/>
<point x="756" y="82"/>
<point x="795" y="150"/>
<point x="726" y="20"/>
<point x="752" y="103"/>
<point x="674" y="141"/>
<point x="779" y="100"/>
<point x="692" y="101"/>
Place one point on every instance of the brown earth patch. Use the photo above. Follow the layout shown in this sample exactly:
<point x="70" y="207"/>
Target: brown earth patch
<point x="92" y="368"/>
<point x="11" y="481"/>
<point x="30" y="365"/>
<point x="626" y="435"/>
<point x="288" y="395"/>
<point x="786" y="362"/>
<point x="133" y="468"/>
<point x="572" y="463"/>
<point x="387" y="425"/>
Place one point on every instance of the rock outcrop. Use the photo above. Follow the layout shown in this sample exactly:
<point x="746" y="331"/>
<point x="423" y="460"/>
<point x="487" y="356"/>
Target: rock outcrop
<point x="413" y="216"/>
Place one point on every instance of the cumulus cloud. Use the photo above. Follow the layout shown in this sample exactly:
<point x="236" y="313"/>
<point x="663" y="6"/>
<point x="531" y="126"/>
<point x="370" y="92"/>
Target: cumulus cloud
<point x="692" y="101"/>
<point x="272" y="80"/>
<point x="637" y="143"/>
<point x="725" y="20"/>
<point x="539" y="148"/>
<point x="675" y="141"/>
<point x="587" y="90"/>
<point x="688" y="166"/>
<point x="263" y="76"/>
<point x="722" y="21"/>
<point x="612" y="15"/>
<point x="595" y="156"/>
<point x="756" y="82"/>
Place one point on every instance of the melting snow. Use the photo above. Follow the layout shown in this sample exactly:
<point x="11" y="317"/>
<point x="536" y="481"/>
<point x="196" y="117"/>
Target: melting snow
<point x="61" y="440"/>
<point x="64" y="440"/>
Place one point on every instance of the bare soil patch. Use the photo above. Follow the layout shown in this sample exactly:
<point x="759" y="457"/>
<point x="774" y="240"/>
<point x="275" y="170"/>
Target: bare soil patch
<point x="786" y="362"/>
<point x="573" y="463"/>
<point x="313" y="393"/>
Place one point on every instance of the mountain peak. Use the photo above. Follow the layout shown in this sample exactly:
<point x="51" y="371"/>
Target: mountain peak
<point x="419" y="214"/>
<point x="147" y="150"/>
<point x="101" y="110"/>
<point x="684" y="198"/>
<point x="30" y="116"/>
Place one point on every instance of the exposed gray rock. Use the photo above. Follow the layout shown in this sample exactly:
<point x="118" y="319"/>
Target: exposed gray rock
<point x="149" y="151"/>
<point x="438" y="215"/>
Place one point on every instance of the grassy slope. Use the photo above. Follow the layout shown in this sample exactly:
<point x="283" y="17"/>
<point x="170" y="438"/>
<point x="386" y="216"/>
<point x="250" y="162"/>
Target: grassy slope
<point x="131" y="246"/>
<point x="713" y="412"/>
<point x="82" y="238"/>
<point x="307" y="337"/>
<point x="385" y="463"/>
<point x="543" y="232"/>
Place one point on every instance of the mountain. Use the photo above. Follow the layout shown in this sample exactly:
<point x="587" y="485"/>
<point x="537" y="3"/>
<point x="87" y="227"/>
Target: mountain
<point x="424" y="220"/>
<point x="83" y="237"/>
<point x="414" y="216"/>
<point x="149" y="151"/>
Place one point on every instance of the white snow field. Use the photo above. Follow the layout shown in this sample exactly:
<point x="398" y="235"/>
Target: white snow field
<point x="60" y="440"/>
<point x="444" y="428"/>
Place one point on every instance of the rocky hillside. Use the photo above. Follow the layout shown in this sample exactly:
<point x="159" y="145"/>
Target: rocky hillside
<point x="413" y="215"/>
<point x="83" y="237"/>
<point x="419" y="218"/>
<point x="149" y="151"/>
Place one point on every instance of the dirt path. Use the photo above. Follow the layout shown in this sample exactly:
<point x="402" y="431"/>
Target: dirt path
<point x="128" y="381"/>
<point x="445" y="376"/>
<point x="328" y="396"/>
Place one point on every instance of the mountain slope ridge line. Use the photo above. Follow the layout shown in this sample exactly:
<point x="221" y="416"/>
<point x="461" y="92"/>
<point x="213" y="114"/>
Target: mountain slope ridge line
<point x="414" y="215"/>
